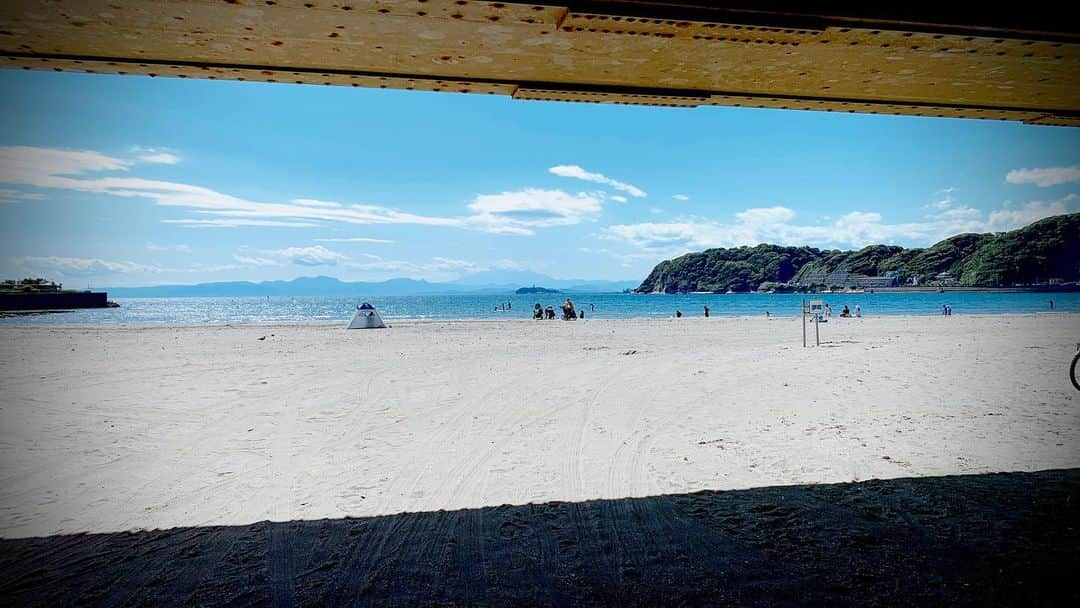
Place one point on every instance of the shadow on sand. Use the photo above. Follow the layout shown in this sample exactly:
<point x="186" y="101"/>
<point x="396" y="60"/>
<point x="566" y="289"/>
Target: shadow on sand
<point x="980" y="540"/>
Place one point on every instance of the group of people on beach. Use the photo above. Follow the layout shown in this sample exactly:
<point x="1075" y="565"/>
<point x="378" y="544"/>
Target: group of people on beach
<point x="826" y="313"/>
<point x="569" y="313"/>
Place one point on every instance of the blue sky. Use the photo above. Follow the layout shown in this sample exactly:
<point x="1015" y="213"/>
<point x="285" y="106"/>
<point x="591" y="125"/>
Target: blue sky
<point x="123" y="180"/>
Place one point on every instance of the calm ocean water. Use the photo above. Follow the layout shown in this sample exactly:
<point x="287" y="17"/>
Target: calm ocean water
<point x="308" y="309"/>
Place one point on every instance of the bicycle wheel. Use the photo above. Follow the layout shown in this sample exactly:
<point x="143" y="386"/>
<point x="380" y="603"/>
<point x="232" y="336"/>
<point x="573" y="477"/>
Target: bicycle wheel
<point x="1072" y="370"/>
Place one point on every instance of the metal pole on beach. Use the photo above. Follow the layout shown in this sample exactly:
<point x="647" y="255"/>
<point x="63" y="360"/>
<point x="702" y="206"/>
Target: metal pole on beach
<point x="804" y="322"/>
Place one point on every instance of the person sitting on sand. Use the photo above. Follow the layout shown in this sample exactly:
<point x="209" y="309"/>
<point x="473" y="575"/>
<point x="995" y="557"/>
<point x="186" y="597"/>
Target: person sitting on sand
<point x="569" y="314"/>
<point x="549" y="313"/>
<point x="581" y="314"/>
<point x="846" y="312"/>
<point x="678" y="314"/>
<point x="538" y="311"/>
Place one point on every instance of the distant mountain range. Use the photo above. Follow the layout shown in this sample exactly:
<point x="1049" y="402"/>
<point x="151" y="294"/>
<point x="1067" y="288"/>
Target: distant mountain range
<point x="1047" y="249"/>
<point x="494" y="282"/>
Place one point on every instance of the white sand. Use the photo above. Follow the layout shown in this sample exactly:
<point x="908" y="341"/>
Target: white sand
<point x="110" y="429"/>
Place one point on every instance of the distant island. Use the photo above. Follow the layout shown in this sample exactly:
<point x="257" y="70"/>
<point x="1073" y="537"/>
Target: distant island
<point x="1044" y="254"/>
<point x="41" y="294"/>
<point x="535" y="289"/>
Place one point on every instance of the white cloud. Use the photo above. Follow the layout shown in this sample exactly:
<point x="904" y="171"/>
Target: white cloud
<point x="577" y="172"/>
<point x="81" y="267"/>
<point x="230" y="223"/>
<point x="763" y="216"/>
<point x="18" y="196"/>
<point x="505" y="213"/>
<point x="1049" y="176"/>
<point x="353" y="239"/>
<point x="158" y="156"/>
<point x="74" y="267"/>
<point x="161" y="158"/>
<point x="681" y="197"/>
<point x="450" y="264"/>
<point x="617" y="198"/>
<point x="158" y="247"/>
<point x="316" y="255"/>
<point x="520" y="211"/>
<point x="310" y="202"/>
<point x="1005" y="219"/>
<point x="854" y="229"/>
<point x="42" y="166"/>
<point x="255" y="261"/>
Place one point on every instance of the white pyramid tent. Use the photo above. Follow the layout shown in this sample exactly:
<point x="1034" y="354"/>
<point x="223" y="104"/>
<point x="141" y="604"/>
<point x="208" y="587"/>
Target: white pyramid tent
<point x="366" y="317"/>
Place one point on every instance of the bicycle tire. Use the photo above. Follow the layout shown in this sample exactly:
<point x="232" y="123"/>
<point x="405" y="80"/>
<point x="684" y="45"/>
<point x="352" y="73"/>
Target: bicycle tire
<point x="1072" y="370"/>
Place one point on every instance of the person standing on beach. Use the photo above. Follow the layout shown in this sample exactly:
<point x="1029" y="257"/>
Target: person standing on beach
<point x="706" y="311"/>
<point x="858" y="311"/>
<point x="1051" y="305"/>
<point x="592" y="307"/>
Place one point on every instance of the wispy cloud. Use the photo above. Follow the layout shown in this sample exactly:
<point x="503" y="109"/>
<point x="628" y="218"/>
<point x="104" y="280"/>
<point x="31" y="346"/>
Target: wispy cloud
<point x="247" y="260"/>
<point x="233" y="223"/>
<point x="777" y="225"/>
<point x="577" y="172"/>
<point x="617" y="198"/>
<point x="310" y="202"/>
<point x="353" y="239"/>
<point x="81" y="267"/>
<point x="76" y="267"/>
<point x="680" y="197"/>
<point x="316" y="255"/>
<point x="159" y="156"/>
<point x="159" y="247"/>
<point x="17" y="196"/>
<point x="518" y="212"/>
<point x="1049" y="176"/>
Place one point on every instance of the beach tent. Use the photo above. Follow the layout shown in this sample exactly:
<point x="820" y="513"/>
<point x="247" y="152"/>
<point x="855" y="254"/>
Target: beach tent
<point x="366" y="317"/>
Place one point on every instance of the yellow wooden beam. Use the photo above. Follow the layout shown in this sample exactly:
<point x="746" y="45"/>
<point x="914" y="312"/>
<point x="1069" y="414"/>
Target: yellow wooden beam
<point x="682" y="54"/>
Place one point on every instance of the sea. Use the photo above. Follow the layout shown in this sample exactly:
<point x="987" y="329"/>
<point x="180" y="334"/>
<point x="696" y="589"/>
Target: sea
<point x="339" y="309"/>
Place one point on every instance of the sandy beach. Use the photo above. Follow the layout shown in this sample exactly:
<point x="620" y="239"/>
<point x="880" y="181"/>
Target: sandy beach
<point x="110" y="430"/>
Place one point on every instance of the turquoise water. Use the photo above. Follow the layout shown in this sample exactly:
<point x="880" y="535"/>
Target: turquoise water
<point x="308" y="309"/>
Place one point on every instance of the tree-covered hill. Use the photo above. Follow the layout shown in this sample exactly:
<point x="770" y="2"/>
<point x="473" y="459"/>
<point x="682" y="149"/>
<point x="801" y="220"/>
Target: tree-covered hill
<point x="1048" y="248"/>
